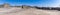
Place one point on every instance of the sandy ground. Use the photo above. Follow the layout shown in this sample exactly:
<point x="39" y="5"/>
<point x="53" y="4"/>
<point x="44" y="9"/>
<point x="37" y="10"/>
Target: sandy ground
<point x="30" y="11"/>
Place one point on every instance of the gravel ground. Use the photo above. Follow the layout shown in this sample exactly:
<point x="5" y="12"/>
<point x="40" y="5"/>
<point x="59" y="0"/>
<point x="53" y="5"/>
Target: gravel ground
<point x="30" y="11"/>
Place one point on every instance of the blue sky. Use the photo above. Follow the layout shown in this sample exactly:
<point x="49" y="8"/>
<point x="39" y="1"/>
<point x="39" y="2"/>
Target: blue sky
<point x="40" y="3"/>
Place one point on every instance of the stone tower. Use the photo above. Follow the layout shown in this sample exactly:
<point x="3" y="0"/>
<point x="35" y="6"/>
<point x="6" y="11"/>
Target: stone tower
<point x="6" y="5"/>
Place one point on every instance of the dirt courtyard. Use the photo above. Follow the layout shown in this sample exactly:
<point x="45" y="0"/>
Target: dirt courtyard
<point x="30" y="11"/>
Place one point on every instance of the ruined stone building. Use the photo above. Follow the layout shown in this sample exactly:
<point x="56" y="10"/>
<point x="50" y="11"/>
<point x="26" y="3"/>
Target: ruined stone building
<point x="5" y="5"/>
